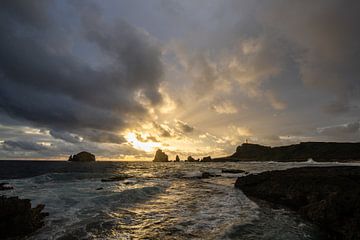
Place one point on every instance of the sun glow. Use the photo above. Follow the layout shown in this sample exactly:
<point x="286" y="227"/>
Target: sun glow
<point x="145" y="146"/>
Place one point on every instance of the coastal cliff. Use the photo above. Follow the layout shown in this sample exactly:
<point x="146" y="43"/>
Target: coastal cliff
<point x="326" y="196"/>
<point x="317" y="151"/>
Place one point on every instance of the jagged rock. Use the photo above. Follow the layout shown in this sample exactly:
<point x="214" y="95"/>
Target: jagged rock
<point x="18" y="219"/>
<point x="206" y="159"/>
<point x="160" y="156"/>
<point x="191" y="159"/>
<point x="177" y="159"/>
<point x="232" y="171"/>
<point x="4" y="187"/>
<point x="327" y="196"/>
<point x="208" y="175"/>
<point x="82" y="157"/>
<point x="117" y="178"/>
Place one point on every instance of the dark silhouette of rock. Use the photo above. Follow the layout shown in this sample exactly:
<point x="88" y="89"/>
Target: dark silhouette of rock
<point x="100" y="188"/>
<point x="18" y="219"/>
<point x="160" y="156"/>
<point x="206" y="159"/>
<point x="327" y="196"/>
<point x="191" y="159"/>
<point x="208" y="175"/>
<point x="317" y="151"/>
<point x="177" y="159"/>
<point x="82" y="157"/>
<point x="4" y="187"/>
<point x="121" y="177"/>
<point x="232" y="171"/>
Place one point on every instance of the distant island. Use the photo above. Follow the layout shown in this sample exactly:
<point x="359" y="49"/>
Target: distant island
<point x="82" y="157"/>
<point x="304" y="151"/>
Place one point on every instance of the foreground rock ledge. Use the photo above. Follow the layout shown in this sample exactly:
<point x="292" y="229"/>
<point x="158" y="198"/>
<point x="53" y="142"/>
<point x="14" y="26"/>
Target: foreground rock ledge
<point x="327" y="196"/>
<point x="17" y="218"/>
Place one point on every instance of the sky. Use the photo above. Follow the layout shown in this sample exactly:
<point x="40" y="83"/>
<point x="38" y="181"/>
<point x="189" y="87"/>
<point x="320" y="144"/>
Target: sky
<point x="122" y="78"/>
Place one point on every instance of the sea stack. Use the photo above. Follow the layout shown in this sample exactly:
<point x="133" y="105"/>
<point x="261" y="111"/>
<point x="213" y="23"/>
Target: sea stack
<point x="160" y="156"/>
<point x="82" y="157"/>
<point x="177" y="159"/>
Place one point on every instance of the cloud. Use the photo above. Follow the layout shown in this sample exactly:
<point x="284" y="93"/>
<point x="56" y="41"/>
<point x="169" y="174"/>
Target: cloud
<point x="341" y="130"/>
<point x="184" y="127"/>
<point x="66" y="136"/>
<point x="10" y="145"/>
<point x="224" y="107"/>
<point x="102" y="136"/>
<point x="164" y="131"/>
<point x="58" y="87"/>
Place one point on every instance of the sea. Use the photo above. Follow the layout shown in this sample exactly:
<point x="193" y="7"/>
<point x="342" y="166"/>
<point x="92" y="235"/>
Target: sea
<point x="158" y="201"/>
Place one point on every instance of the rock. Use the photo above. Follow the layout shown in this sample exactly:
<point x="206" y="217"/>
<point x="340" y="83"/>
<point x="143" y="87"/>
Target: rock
<point x="177" y="159"/>
<point x="117" y="178"/>
<point x="100" y="188"/>
<point x="327" y="196"/>
<point x="82" y="157"/>
<point x="318" y="151"/>
<point x="191" y="159"/>
<point x="160" y="156"/>
<point x="232" y="171"/>
<point x="4" y="187"/>
<point x="208" y="175"/>
<point x="17" y="218"/>
<point x="206" y="159"/>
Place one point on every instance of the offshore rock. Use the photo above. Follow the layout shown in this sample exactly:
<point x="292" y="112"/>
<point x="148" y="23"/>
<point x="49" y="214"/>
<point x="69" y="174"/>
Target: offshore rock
<point x="327" y="196"/>
<point x="177" y="159"/>
<point x="191" y="159"/>
<point x="160" y="156"/>
<point x="18" y="219"/>
<point x="206" y="159"/>
<point x="4" y="186"/>
<point x="82" y="157"/>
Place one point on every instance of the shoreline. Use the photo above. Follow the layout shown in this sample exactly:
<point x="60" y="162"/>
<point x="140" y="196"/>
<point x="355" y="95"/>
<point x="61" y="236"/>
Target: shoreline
<point x="326" y="196"/>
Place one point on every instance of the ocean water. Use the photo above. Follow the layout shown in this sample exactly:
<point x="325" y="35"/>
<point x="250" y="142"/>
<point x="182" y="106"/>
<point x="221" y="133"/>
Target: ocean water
<point x="160" y="201"/>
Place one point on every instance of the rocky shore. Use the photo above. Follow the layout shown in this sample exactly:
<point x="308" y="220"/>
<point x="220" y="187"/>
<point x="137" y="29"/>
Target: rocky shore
<point x="18" y="218"/>
<point x="326" y="196"/>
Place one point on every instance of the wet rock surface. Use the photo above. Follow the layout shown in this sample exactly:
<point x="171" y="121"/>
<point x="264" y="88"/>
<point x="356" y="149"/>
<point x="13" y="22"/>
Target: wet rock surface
<point x="17" y="218"/>
<point x="232" y="171"/>
<point x="327" y="196"/>
<point x="4" y="186"/>
<point x="121" y="177"/>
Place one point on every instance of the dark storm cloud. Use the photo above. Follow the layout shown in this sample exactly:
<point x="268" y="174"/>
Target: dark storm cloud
<point x="328" y="35"/>
<point x="10" y="145"/>
<point x="102" y="136"/>
<point x="67" y="137"/>
<point x="51" y="85"/>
